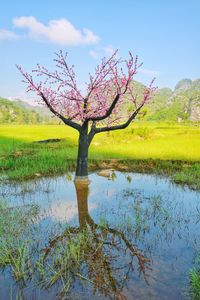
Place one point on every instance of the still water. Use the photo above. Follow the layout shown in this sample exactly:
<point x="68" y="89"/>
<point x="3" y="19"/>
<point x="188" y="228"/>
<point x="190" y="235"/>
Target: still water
<point x="144" y="237"/>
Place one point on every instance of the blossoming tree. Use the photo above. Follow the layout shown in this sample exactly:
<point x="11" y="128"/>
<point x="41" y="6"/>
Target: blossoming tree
<point x="109" y="103"/>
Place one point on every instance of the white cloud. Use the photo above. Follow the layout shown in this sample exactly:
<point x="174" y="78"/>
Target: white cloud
<point x="98" y="52"/>
<point x="94" y="54"/>
<point x="66" y="211"/>
<point x="149" y="72"/>
<point x="59" y="31"/>
<point x="109" y="50"/>
<point x="7" y="35"/>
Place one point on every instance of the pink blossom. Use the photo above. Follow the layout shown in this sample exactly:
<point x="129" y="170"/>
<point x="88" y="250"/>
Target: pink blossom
<point x="112" y="77"/>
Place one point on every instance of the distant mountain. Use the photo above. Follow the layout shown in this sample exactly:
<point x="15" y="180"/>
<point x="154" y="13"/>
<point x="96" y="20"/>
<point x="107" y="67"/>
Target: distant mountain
<point x="39" y="109"/>
<point x="179" y="105"/>
<point x="20" y="112"/>
<point x="183" y="84"/>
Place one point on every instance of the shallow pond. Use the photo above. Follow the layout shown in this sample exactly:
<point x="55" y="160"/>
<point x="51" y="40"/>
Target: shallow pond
<point x="132" y="236"/>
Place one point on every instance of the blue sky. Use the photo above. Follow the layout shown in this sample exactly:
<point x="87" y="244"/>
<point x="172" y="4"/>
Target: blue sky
<point x="165" y="35"/>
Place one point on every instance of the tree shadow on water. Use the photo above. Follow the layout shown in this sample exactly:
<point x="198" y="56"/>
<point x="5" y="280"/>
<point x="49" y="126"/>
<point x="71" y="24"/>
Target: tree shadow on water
<point x="100" y="255"/>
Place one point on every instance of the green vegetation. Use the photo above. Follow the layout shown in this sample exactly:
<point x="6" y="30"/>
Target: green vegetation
<point x="195" y="284"/>
<point x="19" y="112"/>
<point x="162" y="148"/>
<point x="179" y="105"/>
<point x="14" y="251"/>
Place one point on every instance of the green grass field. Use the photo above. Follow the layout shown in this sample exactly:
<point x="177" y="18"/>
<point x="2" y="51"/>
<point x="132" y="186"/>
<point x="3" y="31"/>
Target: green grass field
<point x="172" y="149"/>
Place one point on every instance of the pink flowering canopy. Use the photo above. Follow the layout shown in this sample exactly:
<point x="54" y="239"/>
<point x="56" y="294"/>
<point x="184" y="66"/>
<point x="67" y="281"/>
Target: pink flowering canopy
<point x="110" y="96"/>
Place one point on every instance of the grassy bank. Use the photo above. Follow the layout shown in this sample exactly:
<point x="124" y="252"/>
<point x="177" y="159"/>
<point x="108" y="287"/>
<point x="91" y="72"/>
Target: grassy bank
<point x="144" y="147"/>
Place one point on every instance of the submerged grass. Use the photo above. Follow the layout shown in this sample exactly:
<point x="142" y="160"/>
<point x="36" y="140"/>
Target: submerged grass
<point x="195" y="284"/>
<point x="91" y="253"/>
<point x="14" y="250"/>
<point x="64" y="259"/>
<point x="172" y="149"/>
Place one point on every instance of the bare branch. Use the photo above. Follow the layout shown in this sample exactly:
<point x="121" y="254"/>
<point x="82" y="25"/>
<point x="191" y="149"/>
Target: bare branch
<point x="109" y="111"/>
<point x="65" y="120"/>
<point x="120" y="126"/>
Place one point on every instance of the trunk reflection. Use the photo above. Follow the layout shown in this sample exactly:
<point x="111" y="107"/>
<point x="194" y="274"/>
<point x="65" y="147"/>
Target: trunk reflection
<point x="107" y="257"/>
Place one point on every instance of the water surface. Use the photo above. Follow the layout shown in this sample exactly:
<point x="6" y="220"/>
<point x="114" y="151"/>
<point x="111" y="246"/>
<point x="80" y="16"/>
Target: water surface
<point x="146" y="235"/>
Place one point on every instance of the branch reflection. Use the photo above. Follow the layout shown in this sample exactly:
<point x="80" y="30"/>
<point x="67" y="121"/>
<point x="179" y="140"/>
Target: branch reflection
<point x="102" y="255"/>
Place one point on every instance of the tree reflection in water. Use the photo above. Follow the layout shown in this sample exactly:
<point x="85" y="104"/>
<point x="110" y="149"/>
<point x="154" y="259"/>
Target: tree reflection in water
<point x="105" y="257"/>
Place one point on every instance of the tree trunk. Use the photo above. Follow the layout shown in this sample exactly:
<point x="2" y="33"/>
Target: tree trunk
<point x="82" y="160"/>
